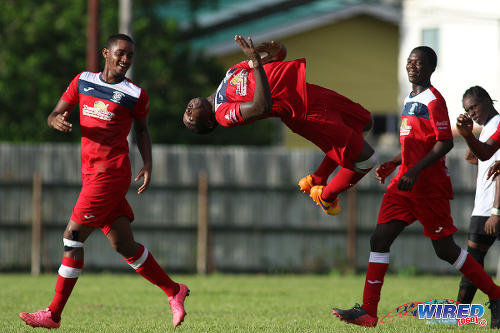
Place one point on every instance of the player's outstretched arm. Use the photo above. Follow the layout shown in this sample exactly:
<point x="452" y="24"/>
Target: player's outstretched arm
<point x="482" y="150"/>
<point x="262" y="100"/>
<point x="57" y="118"/>
<point x="144" y="144"/>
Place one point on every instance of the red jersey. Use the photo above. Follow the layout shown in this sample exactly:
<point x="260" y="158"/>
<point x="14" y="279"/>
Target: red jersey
<point x="106" y="113"/>
<point x="287" y="81"/>
<point x="424" y="121"/>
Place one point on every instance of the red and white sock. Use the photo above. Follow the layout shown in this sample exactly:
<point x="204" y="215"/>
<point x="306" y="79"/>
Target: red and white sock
<point x="475" y="273"/>
<point x="145" y="264"/>
<point x="325" y="169"/>
<point x="377" y="267"/>
<point x="69" y="271"/>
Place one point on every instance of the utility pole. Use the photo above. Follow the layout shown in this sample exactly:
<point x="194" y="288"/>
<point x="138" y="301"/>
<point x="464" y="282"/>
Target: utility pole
<point x="126" y="28"/>
<point x="126" y="25"/>
<point x="93" y="36"/>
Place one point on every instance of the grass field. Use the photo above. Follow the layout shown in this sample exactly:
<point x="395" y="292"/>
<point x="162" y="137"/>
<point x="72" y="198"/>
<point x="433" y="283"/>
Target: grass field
<point x="223" y="303"/>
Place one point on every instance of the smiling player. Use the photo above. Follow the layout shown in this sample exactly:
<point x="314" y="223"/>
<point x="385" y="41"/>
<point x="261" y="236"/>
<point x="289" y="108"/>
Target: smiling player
<point x="108" y="103"/>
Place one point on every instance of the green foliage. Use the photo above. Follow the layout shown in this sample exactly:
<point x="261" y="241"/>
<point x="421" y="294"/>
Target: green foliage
<point x="44" y="47"/>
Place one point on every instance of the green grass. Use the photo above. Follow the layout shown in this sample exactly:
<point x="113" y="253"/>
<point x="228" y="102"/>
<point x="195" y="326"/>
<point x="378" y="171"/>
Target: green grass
<point x="223" y="303"/>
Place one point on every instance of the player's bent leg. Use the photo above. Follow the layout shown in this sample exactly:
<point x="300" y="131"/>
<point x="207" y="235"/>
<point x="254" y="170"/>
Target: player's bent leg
<point x="346" y="178"/>
<point x="142" y="261"/>
<point x="69" y="271"/>
<point x="320" y="176"/>
<point x="329" y="207"/>
<point x="473" y="271"/>
<point x="467" y="289"/>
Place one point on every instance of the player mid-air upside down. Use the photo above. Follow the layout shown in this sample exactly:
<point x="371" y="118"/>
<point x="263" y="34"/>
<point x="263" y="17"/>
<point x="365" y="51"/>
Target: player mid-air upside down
<point x="266" y="86"/>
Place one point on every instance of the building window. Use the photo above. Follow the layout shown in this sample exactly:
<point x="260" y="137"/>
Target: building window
<point x="430" y="37"/>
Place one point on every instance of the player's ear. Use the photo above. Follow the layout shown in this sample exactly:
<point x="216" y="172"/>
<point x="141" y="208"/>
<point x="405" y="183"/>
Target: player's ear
<point x="105" y="52"/>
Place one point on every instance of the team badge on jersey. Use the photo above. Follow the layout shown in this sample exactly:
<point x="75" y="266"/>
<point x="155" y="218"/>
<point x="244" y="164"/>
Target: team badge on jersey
<point x="117" y="96"/>
<point x="99" y="111"/>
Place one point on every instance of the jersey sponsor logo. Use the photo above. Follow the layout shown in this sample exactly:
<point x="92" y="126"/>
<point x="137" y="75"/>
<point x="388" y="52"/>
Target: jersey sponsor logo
<point x="88" y="217"/>
<point x="405" y="128"/>
<point x="117" y="96"/>
<point x="443" y="125"/>
<point x="88" y="89"/>
<point x="240" y="80"/>
<point x="99" y="111"/>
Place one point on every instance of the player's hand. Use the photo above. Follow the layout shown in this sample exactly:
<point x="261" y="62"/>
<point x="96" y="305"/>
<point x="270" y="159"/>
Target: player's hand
<point x="494" y="170"/>
<point x="464" y="124"/>
<point x="249" y="50"/>
<point x="490" y="227"/>
<point x="407" y="180"/>
<point x="146" y="174"/>
<point x="60" y="123"/>
<point x="271" y="51"/>
<point x="384" y="170"/>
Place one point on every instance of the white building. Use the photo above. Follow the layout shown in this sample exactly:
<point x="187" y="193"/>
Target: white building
<point x="466" y="37"/>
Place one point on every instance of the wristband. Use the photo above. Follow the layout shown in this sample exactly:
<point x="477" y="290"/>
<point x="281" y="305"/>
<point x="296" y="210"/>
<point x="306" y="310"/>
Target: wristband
<point x="495" y="211"/>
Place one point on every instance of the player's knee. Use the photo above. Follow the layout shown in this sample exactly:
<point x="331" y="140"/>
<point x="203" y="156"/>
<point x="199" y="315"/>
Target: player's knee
<point x="366" y="165"/>
<point x="72" y="246"/>
<point x="378" y="243"/>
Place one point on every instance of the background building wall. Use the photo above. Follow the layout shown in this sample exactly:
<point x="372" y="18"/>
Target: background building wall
<point x="467" y="41"/>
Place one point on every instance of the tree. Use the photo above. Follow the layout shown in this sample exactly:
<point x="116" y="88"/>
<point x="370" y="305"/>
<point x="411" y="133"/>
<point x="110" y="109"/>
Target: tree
<point x="44" y="47"/>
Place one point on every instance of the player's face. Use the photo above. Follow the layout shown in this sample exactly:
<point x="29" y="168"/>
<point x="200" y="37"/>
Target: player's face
<point x="119" y="57"/>
<point x="418" y="68"/>
<point x="195" y="112"/>
<point x="476" y="109"/>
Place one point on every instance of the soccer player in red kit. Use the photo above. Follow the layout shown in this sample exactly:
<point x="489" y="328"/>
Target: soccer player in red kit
<point x="420" y="191"/>
<point x="266" y="86"/>
<point x="109" y="103"/>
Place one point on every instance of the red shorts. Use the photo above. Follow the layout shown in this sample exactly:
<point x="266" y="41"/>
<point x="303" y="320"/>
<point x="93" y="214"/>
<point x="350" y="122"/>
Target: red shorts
<point x="433" y="213"/>
<point x="334" y="123"/>
<point x="102" y="200"/>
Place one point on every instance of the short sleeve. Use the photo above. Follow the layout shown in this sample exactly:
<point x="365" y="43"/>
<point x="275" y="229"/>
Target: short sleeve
<point x="496" y="136"/>
<point x="228" y="115"/>
<point x="141" y="109"/>
<point x="439" y="120"/>
<point x="71" y="94"/>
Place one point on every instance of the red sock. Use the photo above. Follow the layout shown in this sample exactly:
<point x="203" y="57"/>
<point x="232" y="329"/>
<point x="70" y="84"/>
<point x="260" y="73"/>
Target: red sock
<point x="473" y="271"/>
<point x="373" y="283"/>
<point x="325" y="169"/>
<point x="66" y="279"/>
<point x="145" y="264"/>
<point x="343" y="180"/>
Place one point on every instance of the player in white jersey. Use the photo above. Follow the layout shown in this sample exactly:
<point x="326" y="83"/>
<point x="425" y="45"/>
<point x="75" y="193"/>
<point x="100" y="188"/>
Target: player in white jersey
<point x="484" y="222"/>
